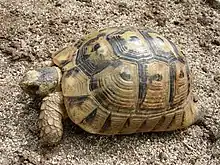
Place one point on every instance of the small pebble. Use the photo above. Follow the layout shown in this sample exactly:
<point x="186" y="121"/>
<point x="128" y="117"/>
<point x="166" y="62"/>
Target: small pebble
<point x="163" y="156"/>
<point x="217" y="78"/>
<point x="65" y="21"/>
<point x="122" y="5"/>
<point x="87" y="1"/>
<point x="216" y="42"/>
<point x="216" y="149"/>
<point x="204" y="69"/>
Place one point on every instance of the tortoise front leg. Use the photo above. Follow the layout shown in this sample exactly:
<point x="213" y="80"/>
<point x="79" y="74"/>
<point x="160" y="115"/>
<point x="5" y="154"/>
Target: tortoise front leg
<point x="50" y="119"/>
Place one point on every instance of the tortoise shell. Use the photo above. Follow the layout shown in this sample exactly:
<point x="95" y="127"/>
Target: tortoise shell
<point x="126" y="80"/>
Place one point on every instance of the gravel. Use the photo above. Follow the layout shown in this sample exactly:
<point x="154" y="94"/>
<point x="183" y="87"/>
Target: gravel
<point x="32" y="30"/>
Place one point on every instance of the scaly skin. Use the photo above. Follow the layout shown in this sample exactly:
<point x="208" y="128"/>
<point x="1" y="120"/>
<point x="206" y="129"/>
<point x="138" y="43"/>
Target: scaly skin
<point x="50" y="119"/>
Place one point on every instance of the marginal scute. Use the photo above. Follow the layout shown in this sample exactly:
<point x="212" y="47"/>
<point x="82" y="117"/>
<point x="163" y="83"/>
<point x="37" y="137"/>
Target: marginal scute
<point x="126" y="80"/>
<point x="79" y="111"/>
<point x="117" y="122"/>
<point x="64" y="56"/>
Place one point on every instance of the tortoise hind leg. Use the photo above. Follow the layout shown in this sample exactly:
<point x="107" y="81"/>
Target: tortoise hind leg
<point x="50" y="119"/>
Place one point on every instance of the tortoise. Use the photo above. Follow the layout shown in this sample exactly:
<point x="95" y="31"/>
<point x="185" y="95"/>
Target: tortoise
<point x="117" y="80"/>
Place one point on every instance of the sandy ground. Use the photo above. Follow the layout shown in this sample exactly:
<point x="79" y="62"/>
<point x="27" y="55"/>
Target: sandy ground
<point x="30" y="30"/>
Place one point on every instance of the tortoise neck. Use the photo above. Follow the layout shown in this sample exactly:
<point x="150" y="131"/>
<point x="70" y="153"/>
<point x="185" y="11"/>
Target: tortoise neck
<point x="59" y="73"/>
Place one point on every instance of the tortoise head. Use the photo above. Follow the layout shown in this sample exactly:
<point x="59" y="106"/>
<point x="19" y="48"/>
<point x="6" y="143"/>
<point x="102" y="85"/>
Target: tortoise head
<point x="42" y="81"/>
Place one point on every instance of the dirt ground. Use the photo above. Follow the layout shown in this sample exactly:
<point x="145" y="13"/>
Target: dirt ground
<point x="31" y="30"/>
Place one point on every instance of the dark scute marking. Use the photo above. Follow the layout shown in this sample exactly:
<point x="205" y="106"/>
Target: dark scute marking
<point x="100" y="97"/>
<point x="116" y="63"/>
<point x="149" y="40"/>
<point x="155" y="77"/>
<point x="93" y="84"/>
<point x="188" y="77"/>
<point x="172" y="82"/>
<point x="79" y="43"/>
<point x="172" y="121"/>
<point x="180" y="58"/>
<point x="107" y="123"/>
<point x="142" y="84"/>
<point x="134" y="38"/>
<point x="86" y="64"/>
<point x="102" y="65"/>
<point x="127" y="123"/>
<point x="64" y="62"/>
<point x="90" y="69"/>
<point x="117" y="43"/>
<point x="160" y="55"/>
<point x="143" y="125"/>
<point x="96" y="47"/>
<point x="181" y="74"/>
<point x="160" y="38"/>
<point x="76" y="100"/>
<point x="83" y="49"/>
<point x="91" y="116"/>
<point x="164" y="59"/>
<point x="125" y="76"/>
<point x="160" y="123"/>
<point x="85" y="56"/>
<point x="183" y="118"/>
<point x="72" y="72"/>
<point x="174" y="46"/>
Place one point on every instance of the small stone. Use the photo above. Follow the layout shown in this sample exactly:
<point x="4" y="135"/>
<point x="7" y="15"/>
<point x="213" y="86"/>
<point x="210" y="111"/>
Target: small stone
<point x="192" y="160"/>
<point x="177" y="23"/>
<point x="204" y="69"/>
<point x="163" y="156"/>
<point x="217" y="78"/>
<point x="204" y="21"/>
<point x="203" y="43"/>
<point x="15" y="44"/>
<point x="8" y="51"/>
<point x="195" y="98"/>
<point x="178" y="1"/>
<point x="65" y="21"/>
<point x="57" y="4"/>
<point x="216" y="149"/>
<point x="161" y="21"/>
<point x="216" y="42"/>
<point x="122" y="5"/>
<point x="147" y="15"/>
<point x="51" y="22"/>
<point x="214" y="3"/>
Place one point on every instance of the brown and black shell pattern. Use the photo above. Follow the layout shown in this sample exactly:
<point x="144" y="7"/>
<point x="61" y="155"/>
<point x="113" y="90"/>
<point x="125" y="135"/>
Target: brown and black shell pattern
<point x="126" y="80"/>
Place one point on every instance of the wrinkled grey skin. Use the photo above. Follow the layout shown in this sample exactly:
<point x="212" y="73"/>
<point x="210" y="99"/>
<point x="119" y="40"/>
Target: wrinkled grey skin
<point x="42" y="81"/>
